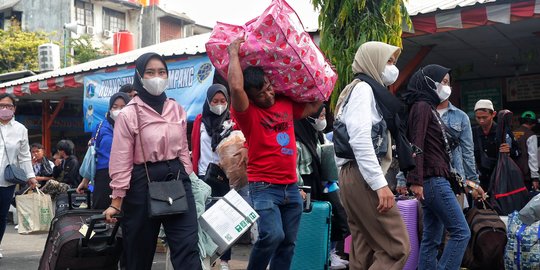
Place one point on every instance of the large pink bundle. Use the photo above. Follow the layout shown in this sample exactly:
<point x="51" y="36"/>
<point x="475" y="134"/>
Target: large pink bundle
<point x="277" y="42"/>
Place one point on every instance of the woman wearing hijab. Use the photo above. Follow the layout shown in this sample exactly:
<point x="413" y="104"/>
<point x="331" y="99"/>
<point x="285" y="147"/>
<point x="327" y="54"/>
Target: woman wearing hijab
<point x="379" y="236"/>
<point x="102" y="139"/>
<point x="151" y="130"/>
<point x="309" y="139"/>
<point x="431" y="180"/>
<point x="209" y="128"/>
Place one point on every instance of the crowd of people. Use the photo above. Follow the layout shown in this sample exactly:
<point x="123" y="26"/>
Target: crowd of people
<point x="444" y="162"/>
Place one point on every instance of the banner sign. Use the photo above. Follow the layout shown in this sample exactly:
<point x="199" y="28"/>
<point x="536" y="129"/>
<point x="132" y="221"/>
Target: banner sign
<point x="188" y="82"/>
<point x="523" y="88"/>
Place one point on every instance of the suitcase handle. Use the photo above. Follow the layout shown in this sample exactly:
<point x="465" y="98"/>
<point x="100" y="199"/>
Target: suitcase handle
<point x="307" y="190"/>
<point x="70" y="193"/>
<point x="96" y="218"/>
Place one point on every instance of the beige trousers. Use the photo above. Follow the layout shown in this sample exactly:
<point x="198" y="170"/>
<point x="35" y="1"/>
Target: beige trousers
<point x="379" y="241"/>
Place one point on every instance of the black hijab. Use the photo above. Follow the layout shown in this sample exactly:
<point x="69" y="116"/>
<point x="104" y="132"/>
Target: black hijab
<point x="156" y="102"/>
<point x="113" y="99"/>
<point x="213" y="123"/>
<point x="421" y="88"/>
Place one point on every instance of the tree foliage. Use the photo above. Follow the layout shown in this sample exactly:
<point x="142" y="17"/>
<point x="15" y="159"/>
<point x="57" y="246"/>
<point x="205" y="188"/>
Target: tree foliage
<point x="19" y="49"/>
<point x="346" y="24"/>
<point x="84" y="49"/>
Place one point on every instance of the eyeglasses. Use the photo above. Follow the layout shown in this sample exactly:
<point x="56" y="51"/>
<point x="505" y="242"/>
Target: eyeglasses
<point x="7" y="106"/>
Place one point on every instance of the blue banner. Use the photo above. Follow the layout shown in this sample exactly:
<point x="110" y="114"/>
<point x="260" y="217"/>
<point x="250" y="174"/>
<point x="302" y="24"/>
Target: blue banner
<point x="188" y="82"/>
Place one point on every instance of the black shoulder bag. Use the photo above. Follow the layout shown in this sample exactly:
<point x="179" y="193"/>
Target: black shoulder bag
<point x="166" y="197"/>
<point x="456" y="181"/>
<point x="340" y="137"/>
<point x="13" y="173"/>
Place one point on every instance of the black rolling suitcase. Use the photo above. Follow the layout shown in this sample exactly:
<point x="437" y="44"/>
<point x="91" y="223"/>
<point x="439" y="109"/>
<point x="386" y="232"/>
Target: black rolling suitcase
<point x="67" y="248"/>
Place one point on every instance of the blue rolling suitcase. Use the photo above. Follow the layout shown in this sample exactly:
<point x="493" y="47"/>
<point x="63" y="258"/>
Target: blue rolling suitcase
<point x="313" y="240"/>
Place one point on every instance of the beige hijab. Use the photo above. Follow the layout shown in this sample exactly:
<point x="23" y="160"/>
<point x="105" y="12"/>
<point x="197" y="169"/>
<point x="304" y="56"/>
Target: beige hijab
<point x="370" y="59"/>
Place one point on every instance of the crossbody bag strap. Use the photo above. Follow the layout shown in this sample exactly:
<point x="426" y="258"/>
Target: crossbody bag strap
<point x="5" y="148"/>
<point x="445" y="138"/>
<point x="140" y="141"/>
<point x="97" y="131"/>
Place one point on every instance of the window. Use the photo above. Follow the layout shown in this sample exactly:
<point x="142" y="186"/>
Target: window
<point x="84" y="13"/>
<point x="113" y="20"/>
<point x="1" y="21"/>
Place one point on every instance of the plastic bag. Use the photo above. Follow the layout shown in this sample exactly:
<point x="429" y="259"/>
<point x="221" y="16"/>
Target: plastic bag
<point x="229" y="162"/>
<point x="88" y="166"/>
<point x="34" y="211"/>
<point x="531" y="212"/>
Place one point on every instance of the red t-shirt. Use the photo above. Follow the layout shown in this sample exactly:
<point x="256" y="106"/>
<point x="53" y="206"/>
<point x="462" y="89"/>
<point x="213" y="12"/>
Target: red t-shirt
<point x="271" y="142"/>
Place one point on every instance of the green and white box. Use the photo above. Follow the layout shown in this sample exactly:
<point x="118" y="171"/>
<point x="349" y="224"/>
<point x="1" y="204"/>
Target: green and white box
<point x="229" y="218"/>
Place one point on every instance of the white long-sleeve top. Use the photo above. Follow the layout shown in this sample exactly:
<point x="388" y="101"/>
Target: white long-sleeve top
<point x="16" y="144"/>
<point x="359" y="115"/>
<point x="532" y="150"/>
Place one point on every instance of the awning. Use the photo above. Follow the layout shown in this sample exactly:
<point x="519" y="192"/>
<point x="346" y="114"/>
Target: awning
<point x="72" y="77"/>
<point x="9" y="4"/>
<point x="472" y="14"/>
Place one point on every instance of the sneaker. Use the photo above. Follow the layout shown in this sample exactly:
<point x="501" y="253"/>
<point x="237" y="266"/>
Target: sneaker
<point x="335" y="257"/>
<point x="335" y="263"/>
<point x="224" y="265"/>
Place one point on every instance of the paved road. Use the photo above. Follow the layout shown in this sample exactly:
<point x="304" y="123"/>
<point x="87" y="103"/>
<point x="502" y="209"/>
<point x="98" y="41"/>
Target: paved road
<point x="22" y="252"/>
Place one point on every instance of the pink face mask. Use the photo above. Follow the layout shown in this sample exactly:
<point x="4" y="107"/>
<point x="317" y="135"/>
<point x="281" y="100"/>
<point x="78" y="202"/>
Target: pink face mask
<point x="6" y="114"/>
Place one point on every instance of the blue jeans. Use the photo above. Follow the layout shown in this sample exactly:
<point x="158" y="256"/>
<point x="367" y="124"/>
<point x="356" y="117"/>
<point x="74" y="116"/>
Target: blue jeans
<point x="280" y="208"/>
<point x="6" y="195"/>
<point x="442" y="211"/>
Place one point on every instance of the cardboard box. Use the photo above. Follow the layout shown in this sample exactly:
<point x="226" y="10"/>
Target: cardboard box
<point x="227" y="220"/>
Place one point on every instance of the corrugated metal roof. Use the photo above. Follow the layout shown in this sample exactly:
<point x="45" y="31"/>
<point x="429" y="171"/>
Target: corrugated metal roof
<point x="186" y="46"/>
<point x="416" y="7"/>
<point x="8" y="4"/>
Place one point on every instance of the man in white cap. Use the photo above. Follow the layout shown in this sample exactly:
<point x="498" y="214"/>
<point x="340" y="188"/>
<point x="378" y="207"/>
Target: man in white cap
<point x="486" y="149"/>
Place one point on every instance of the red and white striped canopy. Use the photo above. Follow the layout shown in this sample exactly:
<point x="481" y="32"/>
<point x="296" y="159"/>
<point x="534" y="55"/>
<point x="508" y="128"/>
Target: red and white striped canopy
<point x="473" y="16"/>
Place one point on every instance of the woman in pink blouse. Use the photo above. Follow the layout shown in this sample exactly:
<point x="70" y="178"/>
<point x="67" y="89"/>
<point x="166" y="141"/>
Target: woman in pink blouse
<point x="161" y="125"/>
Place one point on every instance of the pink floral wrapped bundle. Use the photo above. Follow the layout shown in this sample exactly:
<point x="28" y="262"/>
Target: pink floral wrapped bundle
<point x="277" y="42"/>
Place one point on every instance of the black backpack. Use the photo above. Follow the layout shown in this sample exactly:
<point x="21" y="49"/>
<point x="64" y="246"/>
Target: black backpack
<point x="488" y="238"/>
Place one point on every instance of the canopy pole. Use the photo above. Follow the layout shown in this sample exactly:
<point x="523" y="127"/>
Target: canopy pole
<point x="46" y="132"/>
<point x="47" y="121"/>
<point x="409" y="69"/>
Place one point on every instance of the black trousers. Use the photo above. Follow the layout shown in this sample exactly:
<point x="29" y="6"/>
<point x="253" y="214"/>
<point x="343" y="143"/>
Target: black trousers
<point x="102" y="191"/>
<point x="140" y="232"/>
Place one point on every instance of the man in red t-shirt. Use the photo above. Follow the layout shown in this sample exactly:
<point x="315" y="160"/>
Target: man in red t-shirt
<point x="267" y="123"/>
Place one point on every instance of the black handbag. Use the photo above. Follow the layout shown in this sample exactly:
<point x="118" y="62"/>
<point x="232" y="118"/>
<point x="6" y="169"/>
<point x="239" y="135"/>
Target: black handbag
<point x="340" y="137"/>
<point x="166" y="197"/>
<point x="216" y="178"/>
<point x="12" y="173"/>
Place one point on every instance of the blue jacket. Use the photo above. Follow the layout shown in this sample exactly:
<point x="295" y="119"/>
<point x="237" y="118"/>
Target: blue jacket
<point x="463" y="155"/>
<point x="103" y="144"/>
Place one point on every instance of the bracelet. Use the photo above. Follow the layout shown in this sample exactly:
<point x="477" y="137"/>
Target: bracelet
<point x="115" y="208"/>
<point x="472" y="184"/>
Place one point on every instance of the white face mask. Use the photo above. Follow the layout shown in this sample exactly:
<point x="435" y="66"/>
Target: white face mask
<point x="319" y="124"/>
<point x="113" y="114"/>
<point x="443" y="91"/>
<point x="155" y="86"/>
<point x="218" y="109"/>
<point x="390" y="74"/>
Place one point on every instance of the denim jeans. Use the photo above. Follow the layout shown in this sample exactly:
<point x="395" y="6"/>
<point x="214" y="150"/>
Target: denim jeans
<point x="6" y="195"/>
<point x="442" y="211"/>
<point x="280" y="208"/>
